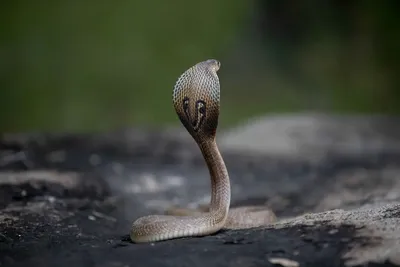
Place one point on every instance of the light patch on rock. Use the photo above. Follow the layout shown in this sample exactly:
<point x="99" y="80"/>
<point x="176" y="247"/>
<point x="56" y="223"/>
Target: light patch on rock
<point x="379" y="223"/>
<point x="67" y="179"/>
<point x="149" y="183"/>
<point x="314" y="135"/>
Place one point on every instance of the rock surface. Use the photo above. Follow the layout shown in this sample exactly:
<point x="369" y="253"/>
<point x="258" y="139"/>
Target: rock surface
<point x="69" y="199"/>
<point x="314" y="135"/>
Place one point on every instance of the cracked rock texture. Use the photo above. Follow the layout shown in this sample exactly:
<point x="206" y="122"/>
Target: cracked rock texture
<point x="333" y="181"/>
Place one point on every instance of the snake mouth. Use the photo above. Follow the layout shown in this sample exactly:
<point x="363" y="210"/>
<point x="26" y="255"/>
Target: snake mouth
<point x="214" y="63"/>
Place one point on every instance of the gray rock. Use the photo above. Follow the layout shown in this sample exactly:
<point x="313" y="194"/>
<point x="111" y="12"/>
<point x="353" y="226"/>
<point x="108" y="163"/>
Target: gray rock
<point x="70" y="199"/>
<point x="315" y="135"/>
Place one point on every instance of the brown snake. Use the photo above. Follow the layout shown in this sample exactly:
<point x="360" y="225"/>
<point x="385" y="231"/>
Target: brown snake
<point x="196" y="98"/>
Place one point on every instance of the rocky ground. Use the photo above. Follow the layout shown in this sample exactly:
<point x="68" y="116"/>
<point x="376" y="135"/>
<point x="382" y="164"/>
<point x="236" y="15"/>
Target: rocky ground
<point x="334" y="183"/>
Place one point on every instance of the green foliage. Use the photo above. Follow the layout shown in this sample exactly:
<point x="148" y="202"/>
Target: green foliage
<point x="100" y="64"/>
<point x="96" y="65"/>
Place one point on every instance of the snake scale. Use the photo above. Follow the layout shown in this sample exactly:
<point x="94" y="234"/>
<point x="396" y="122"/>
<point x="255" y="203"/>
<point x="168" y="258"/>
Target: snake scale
<point x="196" y="98"/>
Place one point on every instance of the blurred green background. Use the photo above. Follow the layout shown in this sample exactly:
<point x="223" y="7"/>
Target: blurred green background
<point x="100" y="65"/>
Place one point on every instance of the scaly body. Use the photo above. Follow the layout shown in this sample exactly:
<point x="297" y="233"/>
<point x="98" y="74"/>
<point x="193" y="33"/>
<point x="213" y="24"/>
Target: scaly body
<point x="196" y="98"/>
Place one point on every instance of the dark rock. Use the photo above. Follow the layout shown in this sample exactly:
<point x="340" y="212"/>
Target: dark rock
<point x="70" y="200"/>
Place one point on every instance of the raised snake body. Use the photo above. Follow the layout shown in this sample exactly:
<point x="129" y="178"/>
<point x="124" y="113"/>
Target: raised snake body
<point x="196" y="98"/>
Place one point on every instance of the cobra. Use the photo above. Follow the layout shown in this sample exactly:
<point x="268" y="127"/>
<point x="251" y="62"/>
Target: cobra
<point x="196" y="98"/>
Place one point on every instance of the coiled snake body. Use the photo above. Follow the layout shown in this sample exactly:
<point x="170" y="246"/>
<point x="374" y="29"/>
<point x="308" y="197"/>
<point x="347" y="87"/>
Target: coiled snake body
<point x="196" y="98"/>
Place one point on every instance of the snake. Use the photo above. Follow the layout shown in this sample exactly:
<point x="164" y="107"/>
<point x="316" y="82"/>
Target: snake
<point x="196" y="99"/>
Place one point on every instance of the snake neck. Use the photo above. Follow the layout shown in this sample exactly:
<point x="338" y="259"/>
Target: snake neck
<point x="220" y="184"/>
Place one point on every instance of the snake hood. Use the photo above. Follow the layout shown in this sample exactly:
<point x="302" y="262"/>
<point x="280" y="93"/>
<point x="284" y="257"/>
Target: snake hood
<point x="196" y="98"/>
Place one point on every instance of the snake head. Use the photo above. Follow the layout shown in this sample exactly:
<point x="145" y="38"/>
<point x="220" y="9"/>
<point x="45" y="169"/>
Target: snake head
<point x="196" y="98"/>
